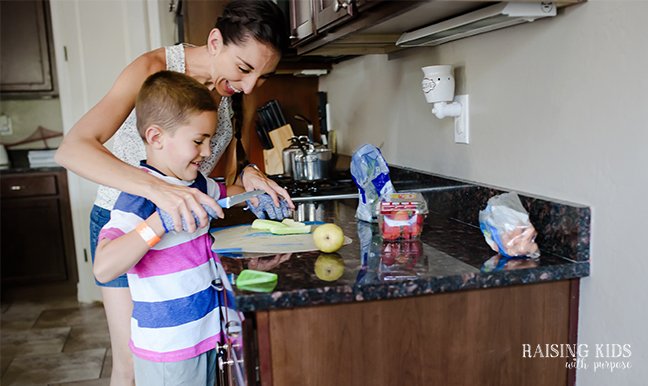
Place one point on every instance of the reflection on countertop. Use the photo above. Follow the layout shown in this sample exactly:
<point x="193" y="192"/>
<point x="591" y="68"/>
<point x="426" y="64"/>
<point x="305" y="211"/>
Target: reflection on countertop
<point x="449" y="257"/>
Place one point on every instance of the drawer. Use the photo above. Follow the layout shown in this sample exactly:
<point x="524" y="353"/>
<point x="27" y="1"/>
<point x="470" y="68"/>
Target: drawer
<point x="25" y="186"/>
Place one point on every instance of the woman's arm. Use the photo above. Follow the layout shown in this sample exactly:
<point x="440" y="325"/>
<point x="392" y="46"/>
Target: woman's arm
<point x="115" y="257"/>
<point x="83" y="153"/>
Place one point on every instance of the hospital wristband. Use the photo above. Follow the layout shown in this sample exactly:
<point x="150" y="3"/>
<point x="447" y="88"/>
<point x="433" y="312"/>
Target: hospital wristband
<point x="148" y="234"/>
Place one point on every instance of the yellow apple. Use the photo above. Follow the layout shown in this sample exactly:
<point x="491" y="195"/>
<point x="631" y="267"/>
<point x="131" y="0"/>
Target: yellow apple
<point x="328" y="238"/>
<point x="329" y="267"/>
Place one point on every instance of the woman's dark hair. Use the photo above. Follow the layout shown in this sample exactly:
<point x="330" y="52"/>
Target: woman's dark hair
<point x="262" y="20"/>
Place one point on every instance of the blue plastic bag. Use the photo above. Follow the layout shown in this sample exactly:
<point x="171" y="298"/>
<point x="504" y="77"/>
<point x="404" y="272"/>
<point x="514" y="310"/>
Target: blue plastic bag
<point x="371" y="174"/>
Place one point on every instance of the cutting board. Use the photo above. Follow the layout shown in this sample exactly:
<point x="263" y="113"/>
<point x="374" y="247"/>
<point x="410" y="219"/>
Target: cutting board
<point x="244" y="239"/>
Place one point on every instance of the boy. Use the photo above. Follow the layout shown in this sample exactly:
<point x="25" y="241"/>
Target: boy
<point x="176" y="315"/>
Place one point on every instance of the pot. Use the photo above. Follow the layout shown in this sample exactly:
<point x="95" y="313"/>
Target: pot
<point x="289" y="152"/>
<point x="311" y="163"/>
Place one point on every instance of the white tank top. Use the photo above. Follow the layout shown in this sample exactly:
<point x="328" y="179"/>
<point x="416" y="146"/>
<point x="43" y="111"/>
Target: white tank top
<point x="128" y="146"/>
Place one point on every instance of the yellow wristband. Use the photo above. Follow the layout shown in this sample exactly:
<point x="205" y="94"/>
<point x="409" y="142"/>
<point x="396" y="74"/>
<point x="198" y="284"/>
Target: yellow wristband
<point x="148" y="234"/>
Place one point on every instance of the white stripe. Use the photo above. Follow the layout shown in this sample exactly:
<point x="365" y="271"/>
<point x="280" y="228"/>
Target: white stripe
<point x="172" y="286"/>
<point x="124" y="221"/>
<point x="167" y="339"/>
<point x="213" y="189"/>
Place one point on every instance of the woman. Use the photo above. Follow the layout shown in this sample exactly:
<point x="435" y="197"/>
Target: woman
<point x="241" y="52"/>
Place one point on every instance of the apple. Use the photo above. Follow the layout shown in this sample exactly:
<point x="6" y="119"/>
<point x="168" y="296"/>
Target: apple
<point x="328" y="238"/>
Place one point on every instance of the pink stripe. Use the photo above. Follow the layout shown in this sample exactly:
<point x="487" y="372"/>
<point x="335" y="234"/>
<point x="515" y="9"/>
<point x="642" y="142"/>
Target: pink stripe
<point x="222" y="190"/>
<point x="174" y="259"/>
<point x="110" y="233"/>
<point x="174" y="356"/>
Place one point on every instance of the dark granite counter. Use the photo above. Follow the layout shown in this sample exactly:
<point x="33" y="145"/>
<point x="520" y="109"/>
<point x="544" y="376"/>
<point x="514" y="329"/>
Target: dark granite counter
<point x="452" y="254"/>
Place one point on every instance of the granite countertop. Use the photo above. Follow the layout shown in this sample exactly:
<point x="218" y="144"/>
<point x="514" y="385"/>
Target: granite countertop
<point x="450" y="256"/>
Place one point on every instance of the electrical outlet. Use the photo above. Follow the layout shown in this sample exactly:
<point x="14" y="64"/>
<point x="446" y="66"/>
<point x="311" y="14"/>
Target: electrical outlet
<point x="462" y="122"/>
<point x="5" y="125"/>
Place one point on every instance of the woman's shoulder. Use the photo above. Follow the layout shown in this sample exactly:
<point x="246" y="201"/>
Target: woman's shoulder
<point x="151" y="62"/>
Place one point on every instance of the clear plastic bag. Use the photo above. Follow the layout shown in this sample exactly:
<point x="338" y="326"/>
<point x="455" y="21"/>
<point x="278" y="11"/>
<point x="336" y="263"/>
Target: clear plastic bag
<point x="507" y="228"/>
<point x="371" y="174"/>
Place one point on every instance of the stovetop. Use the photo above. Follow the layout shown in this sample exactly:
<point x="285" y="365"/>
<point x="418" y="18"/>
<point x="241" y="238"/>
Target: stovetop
<point x="340" y="187"/>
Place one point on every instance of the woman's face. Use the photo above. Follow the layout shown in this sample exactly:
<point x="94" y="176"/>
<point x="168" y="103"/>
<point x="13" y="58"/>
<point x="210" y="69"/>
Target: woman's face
<point x="240" y="67"/>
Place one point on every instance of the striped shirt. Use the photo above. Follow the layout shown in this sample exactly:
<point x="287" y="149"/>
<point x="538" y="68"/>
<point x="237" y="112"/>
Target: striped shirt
<point x="176" y="312"/>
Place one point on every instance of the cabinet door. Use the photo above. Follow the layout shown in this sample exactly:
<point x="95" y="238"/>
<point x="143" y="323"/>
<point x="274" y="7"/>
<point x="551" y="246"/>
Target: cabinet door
<point x="32" y="241"/>
<point x="25" y="52"/>
<point x="301" y="21"/>
<point x="331" y="13"/>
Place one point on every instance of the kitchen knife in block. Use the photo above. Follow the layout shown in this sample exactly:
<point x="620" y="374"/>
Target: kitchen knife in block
<point x="273" y="158"/>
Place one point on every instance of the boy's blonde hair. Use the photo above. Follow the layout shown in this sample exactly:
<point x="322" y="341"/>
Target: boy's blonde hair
<point x="169" y="99"/>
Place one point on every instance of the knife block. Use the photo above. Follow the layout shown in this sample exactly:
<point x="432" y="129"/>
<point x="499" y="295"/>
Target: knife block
<point x="273" y="158"/>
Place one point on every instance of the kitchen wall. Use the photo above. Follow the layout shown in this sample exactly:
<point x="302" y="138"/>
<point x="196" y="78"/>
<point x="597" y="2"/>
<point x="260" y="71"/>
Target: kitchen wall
<point x="558" y="109"/>
<point x="27" y="115"/>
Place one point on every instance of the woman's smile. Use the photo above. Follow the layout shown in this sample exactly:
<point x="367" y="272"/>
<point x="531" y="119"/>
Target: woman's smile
<point x="231" y="89"/>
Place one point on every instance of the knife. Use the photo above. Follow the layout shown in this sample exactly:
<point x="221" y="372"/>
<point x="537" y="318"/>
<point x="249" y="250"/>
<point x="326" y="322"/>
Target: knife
<point x="228" y="202"/>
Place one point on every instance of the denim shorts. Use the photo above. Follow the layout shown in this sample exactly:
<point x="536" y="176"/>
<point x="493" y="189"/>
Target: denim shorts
<point x="98" y="218"/>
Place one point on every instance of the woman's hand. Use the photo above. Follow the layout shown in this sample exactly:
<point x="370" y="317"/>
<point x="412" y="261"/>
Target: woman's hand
<point x="180" y="201"/>
<point x="267" y="263"/>
<point x="253" y="179"/>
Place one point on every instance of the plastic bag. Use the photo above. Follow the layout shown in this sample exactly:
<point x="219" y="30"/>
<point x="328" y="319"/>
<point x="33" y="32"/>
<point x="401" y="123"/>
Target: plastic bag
<point x="371" y="174"/>
<point x="506" y="227"/>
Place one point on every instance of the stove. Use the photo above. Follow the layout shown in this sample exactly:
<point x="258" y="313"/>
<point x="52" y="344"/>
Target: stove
<point x="329" y="189"/>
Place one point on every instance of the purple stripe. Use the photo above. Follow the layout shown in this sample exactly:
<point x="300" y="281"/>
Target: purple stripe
<point x="110" y="233"/>
<point x="175" y="356"/>
<point x="174" y="259"/>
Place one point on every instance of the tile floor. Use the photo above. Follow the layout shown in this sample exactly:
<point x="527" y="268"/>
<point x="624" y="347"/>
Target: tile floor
<point x="55" y="341"/>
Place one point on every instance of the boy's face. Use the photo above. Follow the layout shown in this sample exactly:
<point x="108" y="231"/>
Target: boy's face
<point x="182" y="152"/>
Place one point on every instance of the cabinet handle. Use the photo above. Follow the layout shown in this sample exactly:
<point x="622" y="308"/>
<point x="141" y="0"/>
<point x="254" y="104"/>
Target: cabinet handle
<point x="339" y="4"/>
<point x="17" y="187"/>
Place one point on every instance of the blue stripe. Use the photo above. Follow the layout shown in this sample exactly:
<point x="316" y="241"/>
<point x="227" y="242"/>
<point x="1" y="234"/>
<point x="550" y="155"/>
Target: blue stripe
<point x="176" y="312"/>
<point x="137" y="205"/>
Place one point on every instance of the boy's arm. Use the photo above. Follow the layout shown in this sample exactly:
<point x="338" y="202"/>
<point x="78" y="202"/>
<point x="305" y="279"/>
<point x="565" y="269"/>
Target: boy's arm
<point x="115" y="257"/>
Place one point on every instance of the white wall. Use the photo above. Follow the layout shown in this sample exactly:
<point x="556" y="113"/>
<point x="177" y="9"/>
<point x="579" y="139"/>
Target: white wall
<point x="558" y="109"/>
<point x="94" y="41"/>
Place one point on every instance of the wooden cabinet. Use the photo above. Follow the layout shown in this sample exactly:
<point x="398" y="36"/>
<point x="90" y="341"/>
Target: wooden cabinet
<point x="468" y="337"/>
<point x="37" y="235"/>
<point x="26" y="50"/>
<point x="301" y="21"/>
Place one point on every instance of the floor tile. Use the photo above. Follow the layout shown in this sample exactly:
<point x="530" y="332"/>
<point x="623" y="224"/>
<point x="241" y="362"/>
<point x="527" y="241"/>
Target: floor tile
<point x="93" y="382"/>
<point x="4" y="364"/>
<point x="87" y="337"/>
<point x="42" y="341"/>
<point x="106" y="371"/>
<point x="88" y="316"/>
<point x="54" y="368"/>
<point x="20" y="316"/>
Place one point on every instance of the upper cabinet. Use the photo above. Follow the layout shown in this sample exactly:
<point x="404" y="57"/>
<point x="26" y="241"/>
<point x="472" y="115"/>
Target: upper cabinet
<point x="339" y="28"/>
<point x="26" y="50"/>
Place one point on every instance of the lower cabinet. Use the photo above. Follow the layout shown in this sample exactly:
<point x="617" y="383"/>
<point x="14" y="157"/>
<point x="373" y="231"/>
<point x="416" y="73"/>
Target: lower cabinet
<point x="474" y="337"/>
<point x="36" y="229"/>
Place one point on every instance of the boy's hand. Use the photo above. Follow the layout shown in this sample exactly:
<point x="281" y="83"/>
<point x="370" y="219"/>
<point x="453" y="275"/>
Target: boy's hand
<point x="169" y="225"/>
<point x="183" y="203"/>
<point x="266" y="205"/>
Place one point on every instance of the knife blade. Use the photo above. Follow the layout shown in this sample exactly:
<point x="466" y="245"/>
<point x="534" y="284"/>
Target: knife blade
<point x="228" y="202"/>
